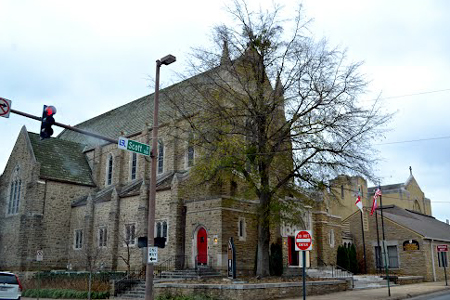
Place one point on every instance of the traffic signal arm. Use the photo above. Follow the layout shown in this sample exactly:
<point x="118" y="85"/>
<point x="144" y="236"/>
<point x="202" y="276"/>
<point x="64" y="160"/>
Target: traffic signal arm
<point x="114" y="141"/>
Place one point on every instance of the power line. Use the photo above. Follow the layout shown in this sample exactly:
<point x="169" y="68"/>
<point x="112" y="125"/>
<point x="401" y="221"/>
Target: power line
<point x="412" y="141"/>
<point x="410" y="95"/>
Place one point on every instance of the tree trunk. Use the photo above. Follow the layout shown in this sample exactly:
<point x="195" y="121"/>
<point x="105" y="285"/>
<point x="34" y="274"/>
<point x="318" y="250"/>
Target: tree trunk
<point x="262" y="266"/>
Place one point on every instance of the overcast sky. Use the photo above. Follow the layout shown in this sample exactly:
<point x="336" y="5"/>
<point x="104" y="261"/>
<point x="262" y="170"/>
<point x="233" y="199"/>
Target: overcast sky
<point x="87" y="57"/>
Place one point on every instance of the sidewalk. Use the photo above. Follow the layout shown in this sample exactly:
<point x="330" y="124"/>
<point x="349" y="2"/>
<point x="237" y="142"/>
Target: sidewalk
<point x="397" y="292"/>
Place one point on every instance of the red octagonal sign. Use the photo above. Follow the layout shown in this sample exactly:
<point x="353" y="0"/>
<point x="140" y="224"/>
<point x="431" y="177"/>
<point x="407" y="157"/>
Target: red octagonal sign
<point x="303" y="240"/>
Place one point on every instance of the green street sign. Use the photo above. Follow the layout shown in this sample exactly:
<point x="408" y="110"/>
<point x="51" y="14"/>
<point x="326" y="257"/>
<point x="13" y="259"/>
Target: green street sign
<point x="133" y="146"/>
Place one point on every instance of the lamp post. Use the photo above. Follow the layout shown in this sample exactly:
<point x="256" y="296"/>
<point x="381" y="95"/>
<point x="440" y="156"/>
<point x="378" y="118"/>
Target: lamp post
<point x="166" y="60"/>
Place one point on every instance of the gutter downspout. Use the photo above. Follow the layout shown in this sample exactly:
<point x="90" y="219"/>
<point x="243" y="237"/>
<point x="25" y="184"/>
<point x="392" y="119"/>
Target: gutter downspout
<point x="432" y="260"/>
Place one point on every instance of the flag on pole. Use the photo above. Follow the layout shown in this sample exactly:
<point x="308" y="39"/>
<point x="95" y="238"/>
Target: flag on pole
<point x="374" y="203"/>
<point x="359" y="203"/>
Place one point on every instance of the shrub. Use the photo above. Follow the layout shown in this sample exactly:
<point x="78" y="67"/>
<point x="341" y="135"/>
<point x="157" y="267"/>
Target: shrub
<point x="63" y="294"/>
<point x="276" y="260"/>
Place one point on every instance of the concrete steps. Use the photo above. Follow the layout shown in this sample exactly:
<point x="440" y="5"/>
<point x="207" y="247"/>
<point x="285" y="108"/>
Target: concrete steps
<point x="370" y="282"/>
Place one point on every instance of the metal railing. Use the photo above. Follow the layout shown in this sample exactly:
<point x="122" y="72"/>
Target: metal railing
<point x="336" y="270"/>
<point x="177" y="262"/>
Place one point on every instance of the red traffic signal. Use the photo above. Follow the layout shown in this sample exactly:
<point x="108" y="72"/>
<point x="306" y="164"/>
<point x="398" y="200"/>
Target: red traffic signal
<point x="47" y="122"/>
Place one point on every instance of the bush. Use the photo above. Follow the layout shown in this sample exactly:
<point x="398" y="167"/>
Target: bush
<point x="353" y="263"/>
<point x="276" y="260"/>
<point x="63" y="294"/>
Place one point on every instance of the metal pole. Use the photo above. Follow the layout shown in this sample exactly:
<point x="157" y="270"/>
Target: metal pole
<point x="39" y="280"/>
<point x="364" y="243"/>
<point x="445" y="265"/>
<point x="377" y="255"/>
<point x="114" y="141"/>
<point x="304" y="274"/>
<point x="384" y="246"/>
<point x="152" y="190"/>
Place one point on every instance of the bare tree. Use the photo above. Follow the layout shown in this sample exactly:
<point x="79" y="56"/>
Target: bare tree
<point x="278" y="111"/>
<point x="129" y="238"/>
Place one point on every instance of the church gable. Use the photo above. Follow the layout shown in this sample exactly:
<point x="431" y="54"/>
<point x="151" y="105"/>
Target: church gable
<point x="61" y="160"/>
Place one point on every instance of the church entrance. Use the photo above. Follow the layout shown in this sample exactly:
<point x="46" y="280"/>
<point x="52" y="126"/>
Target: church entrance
<point x="202" y="247"/>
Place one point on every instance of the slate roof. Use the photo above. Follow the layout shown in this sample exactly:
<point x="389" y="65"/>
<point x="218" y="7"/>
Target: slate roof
<point x="61" y="160"/>
<point x="163" y="181"/>
<point x="131" y="118"/>
<point x="425" y="225"/>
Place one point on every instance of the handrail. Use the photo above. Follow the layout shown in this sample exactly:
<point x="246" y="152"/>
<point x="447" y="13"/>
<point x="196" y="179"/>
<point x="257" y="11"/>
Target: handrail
<point x="176" y="262"/>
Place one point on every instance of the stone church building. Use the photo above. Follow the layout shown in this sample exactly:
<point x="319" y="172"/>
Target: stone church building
<point x="81" y="199"/>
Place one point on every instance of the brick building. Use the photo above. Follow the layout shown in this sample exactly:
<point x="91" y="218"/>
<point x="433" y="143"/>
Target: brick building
<point x="411" y="240"/>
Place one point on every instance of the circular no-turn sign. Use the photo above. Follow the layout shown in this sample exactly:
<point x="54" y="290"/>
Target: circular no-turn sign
<point x="303" y="240"/>
<point x="5" y="107"/>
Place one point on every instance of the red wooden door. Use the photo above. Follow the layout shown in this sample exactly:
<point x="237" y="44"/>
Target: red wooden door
<point x="202" y="246"/>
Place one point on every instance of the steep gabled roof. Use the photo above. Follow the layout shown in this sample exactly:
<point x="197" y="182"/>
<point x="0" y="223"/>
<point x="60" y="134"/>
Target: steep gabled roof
<point x="131" y="118"/>
<point x="61" y="160"/>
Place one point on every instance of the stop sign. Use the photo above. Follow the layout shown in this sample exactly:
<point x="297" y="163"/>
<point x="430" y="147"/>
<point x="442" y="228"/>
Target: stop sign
<point x="303" y="240"/>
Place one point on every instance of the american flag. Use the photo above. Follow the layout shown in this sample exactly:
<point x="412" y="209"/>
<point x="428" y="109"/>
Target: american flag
<point x="374" y="203"/>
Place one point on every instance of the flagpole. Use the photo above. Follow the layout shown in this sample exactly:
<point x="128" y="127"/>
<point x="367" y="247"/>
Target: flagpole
<point x="384" y="246"/>
<point x="378" y="254"/>
<point x="364" y="243"/>
<point x="361" y="208"/>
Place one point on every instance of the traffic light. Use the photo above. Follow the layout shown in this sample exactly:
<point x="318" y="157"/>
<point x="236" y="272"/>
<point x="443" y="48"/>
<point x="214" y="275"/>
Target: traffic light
<point x="159" y="242"/>
<point x="47" y="122"/>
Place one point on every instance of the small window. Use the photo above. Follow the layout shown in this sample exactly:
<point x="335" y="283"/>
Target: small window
<point x="160" y="157"/>
<point x="78" y="239"/>
<point x="442" y="259"/>
<point x="190" y="151"/>
<point x="342" y="191"/>
<point x="109" y="170"/>
<point x="241" y="229"/>
<point x="392" y="255"/>
<point x="164" y="229"/>
<point x="190" y="156"/>
<point x="133" y="169"/>
<point x="158" y="229"/>
<point x="130" y="234"/>
<point x="233" y="188"/>
<point x="161" y="229"/>
<point x="331" y="238"/>
<point x="102" y="237"/>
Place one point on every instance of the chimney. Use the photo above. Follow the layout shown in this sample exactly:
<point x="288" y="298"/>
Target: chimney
<point x="446" y="221"/>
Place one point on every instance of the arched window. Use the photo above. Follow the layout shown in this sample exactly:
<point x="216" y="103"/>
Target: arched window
<point x="109" y="170"/>
<point x="164" y="229"/>
<point x="133" y="166"/>
<point x="416" y="206"/>
<point x="190" y="151"/>
<point x="158" y="229"/>
<point x="14" y="194"/>
<point x="160" y="157"/>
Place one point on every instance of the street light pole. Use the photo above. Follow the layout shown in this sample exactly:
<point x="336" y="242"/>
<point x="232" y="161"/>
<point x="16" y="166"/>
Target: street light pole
<point x="166" y="60"/>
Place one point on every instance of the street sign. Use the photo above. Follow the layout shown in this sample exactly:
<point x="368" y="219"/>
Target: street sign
<point x="39" y="255"/>
<point x="5" y="107"/>
<point x="133" y="146"/>
<point x="303" y="240"/>
<point x="442" y="248"/>
<point x="152" y="255"/>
